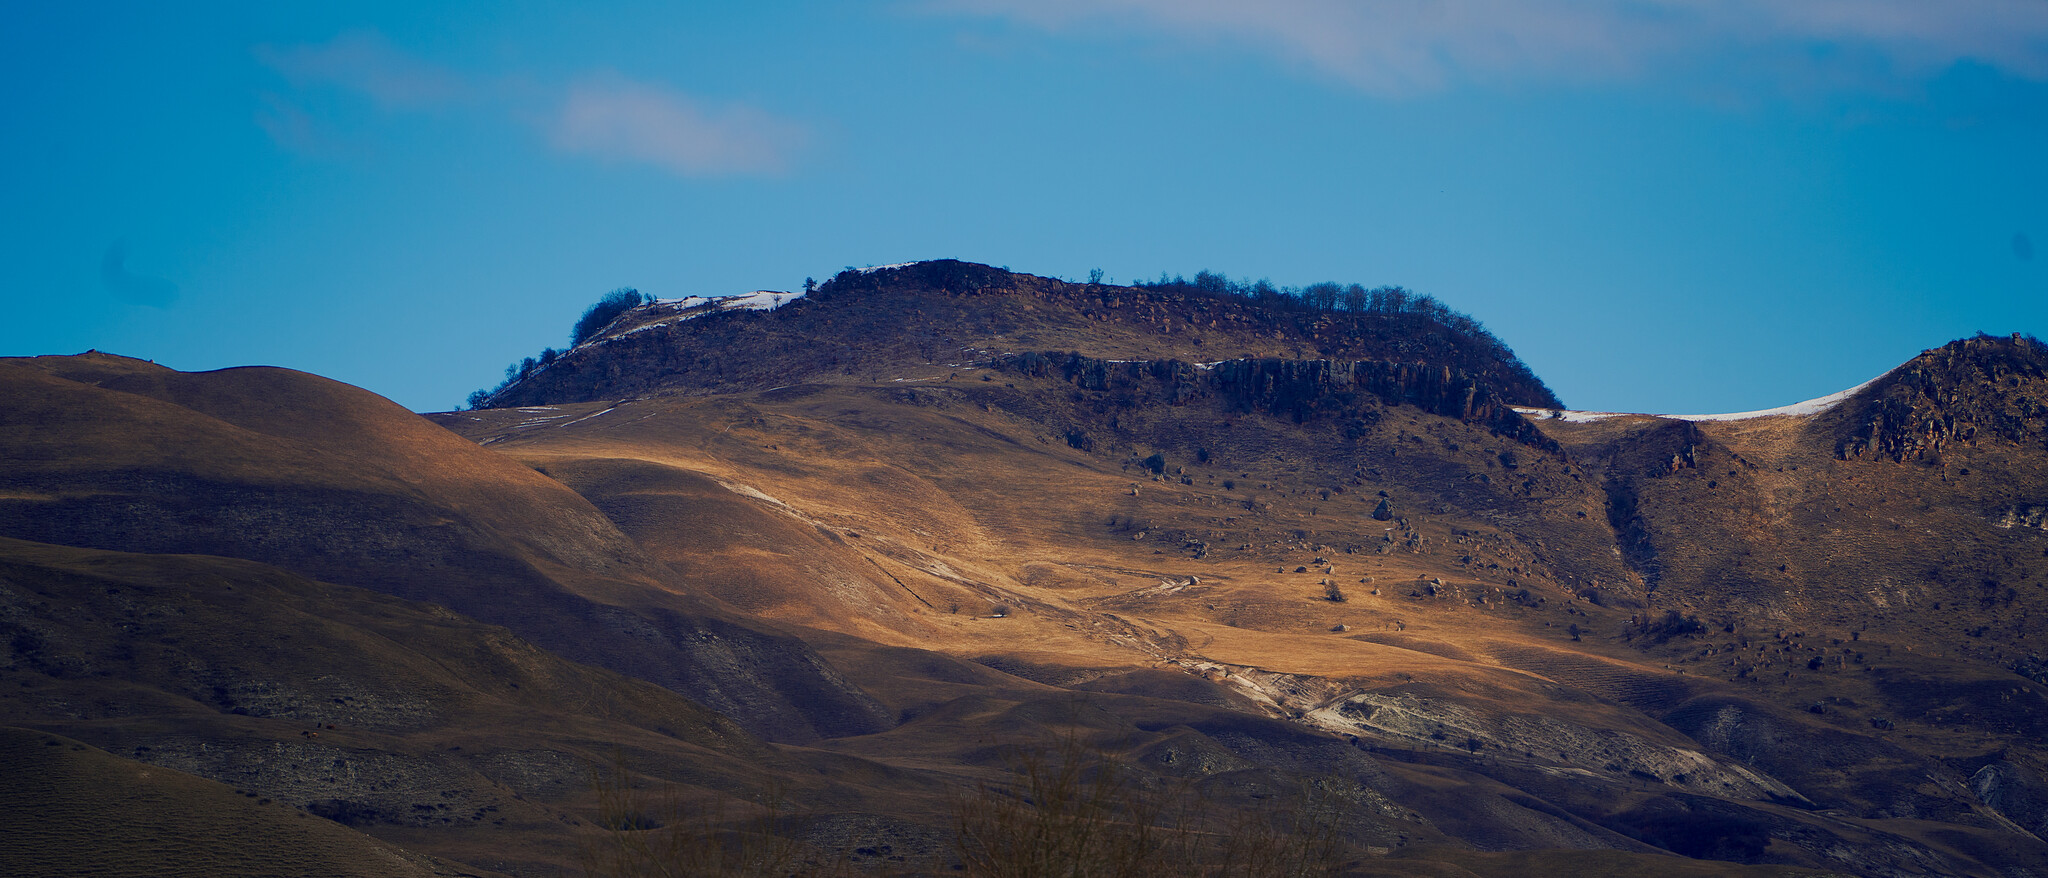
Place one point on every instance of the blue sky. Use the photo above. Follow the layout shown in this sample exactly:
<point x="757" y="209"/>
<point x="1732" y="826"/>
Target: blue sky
<point x="1662" y="205"/>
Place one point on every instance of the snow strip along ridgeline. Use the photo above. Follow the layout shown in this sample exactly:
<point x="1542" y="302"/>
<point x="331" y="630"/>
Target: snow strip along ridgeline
<point x="1805" y="409"/>
<point x="693" y="307"/>
<point x="758" y="300"/>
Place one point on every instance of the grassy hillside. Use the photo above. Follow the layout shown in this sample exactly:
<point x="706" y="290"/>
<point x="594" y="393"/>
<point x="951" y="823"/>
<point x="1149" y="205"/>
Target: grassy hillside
<point x="864" y="606"/>
<point x="342" y="485"/>
<point x="1500" y="637"/>
<point x="393" y="717"/>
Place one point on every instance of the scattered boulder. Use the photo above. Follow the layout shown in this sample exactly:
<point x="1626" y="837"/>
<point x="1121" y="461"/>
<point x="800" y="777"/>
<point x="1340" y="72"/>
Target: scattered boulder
<point x="2015" y="792"/>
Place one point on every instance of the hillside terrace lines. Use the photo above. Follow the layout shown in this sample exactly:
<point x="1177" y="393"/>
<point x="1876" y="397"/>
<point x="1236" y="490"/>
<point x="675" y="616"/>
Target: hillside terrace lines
<point x="536" y="419"/>
<point x="589" y="416"/>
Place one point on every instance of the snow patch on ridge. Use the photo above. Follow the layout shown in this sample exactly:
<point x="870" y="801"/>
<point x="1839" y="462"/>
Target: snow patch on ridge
<point x="758" y="300"/>
<point x="1805" y="409"/>
<point x="1572" y="417"/>
<point x="693" y="307"/>
<point x="1798" y="409"/>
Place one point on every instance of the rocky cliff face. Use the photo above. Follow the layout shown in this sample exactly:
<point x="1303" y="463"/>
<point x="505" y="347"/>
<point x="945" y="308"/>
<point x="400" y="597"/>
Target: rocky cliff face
<point x="1300" y="390"/>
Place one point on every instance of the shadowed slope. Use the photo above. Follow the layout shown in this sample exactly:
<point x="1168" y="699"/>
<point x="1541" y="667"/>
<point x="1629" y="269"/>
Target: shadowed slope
<point x="399" y="719"/>
<point x="73" y="810"/>
<point x="339" y="484"/>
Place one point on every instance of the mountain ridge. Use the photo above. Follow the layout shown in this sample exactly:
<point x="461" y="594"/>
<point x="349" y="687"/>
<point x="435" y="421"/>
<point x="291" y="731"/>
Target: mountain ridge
<point x="1800" y="642"/>
<point x="865" y="322"/>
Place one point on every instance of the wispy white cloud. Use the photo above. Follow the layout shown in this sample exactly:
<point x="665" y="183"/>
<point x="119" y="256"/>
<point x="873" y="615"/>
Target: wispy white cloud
<point x="365" y="62"/>
<point x="615" y="118"/>
<point x="135" y="289"/>
<point x="299" y="130"/>
<point x="1405" y="47"/>
<point x="604" y="115"/>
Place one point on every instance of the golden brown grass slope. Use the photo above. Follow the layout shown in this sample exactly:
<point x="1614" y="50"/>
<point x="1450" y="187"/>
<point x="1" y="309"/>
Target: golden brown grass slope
<point x="342" y="485"/>
<point x="1499" y="654"/>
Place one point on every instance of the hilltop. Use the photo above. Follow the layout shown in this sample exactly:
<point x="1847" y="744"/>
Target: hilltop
<point x="871" y="323"/>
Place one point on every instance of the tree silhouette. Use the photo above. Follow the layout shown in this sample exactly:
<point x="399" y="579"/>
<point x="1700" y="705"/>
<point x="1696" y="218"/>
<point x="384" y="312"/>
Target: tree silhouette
<point x="605" y="310"/>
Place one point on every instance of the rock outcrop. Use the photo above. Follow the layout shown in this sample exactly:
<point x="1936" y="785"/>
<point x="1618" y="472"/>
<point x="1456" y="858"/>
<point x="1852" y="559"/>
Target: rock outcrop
<point x="1964" y="391"/>
<point x="1298" y="389"/>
